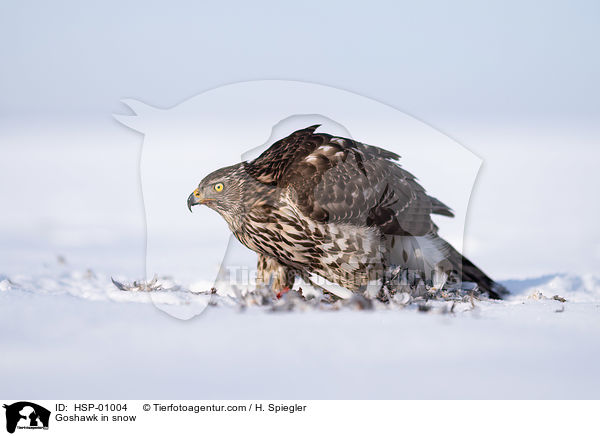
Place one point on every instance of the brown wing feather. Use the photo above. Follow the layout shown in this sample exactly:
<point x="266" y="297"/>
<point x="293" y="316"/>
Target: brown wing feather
<point x="272" y="164"/>
<point x="333" y="179"/>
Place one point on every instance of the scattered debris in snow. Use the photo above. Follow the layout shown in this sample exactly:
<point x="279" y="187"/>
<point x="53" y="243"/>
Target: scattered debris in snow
<point x="168" y="292"/>
<point x="104" y="323"/>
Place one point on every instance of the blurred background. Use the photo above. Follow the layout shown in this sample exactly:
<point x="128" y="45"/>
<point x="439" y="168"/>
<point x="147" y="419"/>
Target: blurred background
<point x="514" y="82"/>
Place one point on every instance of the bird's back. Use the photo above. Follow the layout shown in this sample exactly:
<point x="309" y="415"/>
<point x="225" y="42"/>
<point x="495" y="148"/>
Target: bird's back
<point x="339" y="180"/>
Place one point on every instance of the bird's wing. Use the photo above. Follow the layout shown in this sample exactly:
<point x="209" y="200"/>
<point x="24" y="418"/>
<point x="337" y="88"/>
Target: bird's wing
<point x="334" y="179"/>
<point x="271" y="166"/>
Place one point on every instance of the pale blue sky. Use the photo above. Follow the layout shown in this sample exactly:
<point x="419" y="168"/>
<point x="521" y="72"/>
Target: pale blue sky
<point x="487" y="60"/>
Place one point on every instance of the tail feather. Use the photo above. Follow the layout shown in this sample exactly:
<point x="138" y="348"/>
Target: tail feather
<point x="432" y="254"/>
<point x="471" y="273"/>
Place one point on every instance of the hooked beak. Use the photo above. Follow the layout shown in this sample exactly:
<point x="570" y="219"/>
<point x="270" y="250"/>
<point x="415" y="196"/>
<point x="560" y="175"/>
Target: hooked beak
<point x="195" y="198"/>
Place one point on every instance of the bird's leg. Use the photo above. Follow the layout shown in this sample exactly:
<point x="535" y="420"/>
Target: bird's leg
<point x="280" y="278"/>
<point x="273" y="274"/>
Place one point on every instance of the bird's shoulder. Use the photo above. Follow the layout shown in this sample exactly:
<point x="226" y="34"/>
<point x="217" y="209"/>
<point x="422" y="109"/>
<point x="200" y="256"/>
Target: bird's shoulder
<point x="335" y="179"/>
<point x="306" y="155"/>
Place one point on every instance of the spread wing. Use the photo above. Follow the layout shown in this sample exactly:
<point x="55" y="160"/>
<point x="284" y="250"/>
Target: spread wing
<point x="334" y="179"/>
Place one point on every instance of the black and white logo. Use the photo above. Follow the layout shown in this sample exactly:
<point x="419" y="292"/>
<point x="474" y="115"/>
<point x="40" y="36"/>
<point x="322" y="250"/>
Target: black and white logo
<point x="26" y="415"/>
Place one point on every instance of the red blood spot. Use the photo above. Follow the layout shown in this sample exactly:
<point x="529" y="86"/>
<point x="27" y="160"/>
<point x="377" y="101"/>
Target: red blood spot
<point x="283" y="291"/>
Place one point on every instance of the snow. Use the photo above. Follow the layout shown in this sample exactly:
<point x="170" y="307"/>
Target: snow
<point x="69" y="333"/>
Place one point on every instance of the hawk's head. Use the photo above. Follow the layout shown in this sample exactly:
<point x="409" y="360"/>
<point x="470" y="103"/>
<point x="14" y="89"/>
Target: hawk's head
<point x="222" y="191"/>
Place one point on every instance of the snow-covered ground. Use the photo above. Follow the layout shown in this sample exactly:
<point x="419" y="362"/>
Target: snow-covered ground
<point x="66" y="331"/>
<point x="69" y="333"/>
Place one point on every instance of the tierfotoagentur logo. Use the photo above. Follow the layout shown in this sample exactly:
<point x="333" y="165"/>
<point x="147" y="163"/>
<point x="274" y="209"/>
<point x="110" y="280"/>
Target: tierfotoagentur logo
<point x="322" y="213"/>
<point x="26" y="415"/>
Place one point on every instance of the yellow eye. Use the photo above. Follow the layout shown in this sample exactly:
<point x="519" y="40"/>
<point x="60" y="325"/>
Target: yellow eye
<point x="219" y="187"/>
